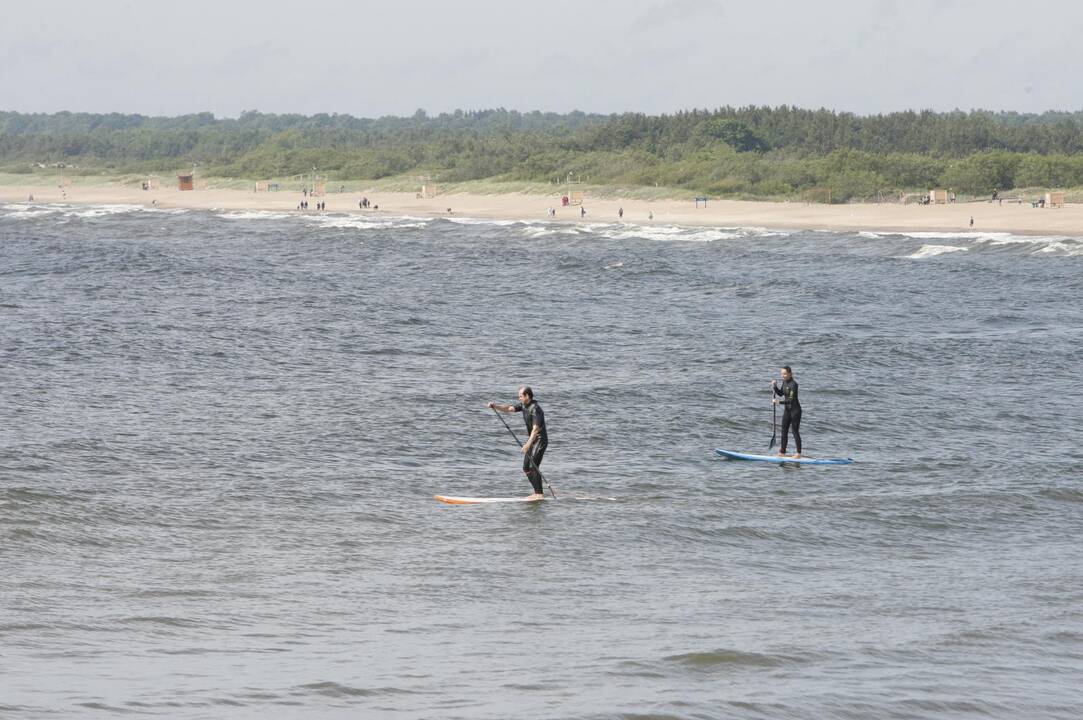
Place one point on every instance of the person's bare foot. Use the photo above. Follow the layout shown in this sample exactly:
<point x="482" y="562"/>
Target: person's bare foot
<point x="796" y="456"/>
<point x="536" y="496"/>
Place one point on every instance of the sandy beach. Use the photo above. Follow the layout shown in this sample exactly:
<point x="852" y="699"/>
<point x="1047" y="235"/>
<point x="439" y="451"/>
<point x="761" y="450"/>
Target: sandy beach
<point x="1010" y="217"/>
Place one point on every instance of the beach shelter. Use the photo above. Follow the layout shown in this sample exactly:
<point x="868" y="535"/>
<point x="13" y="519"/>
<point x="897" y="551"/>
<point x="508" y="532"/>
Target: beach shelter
<point x="186" y="182"/>
<point x="1054" y="199"/>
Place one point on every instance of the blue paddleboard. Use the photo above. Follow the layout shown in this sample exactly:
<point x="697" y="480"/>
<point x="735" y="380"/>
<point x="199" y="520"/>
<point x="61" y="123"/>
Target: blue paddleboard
<point x="731" y="455"/>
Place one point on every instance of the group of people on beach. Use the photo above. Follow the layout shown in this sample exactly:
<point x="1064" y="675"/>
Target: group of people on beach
<point x="552" y="212"/>
<point x="533" y="450"/>
<point x="303" y="205"/>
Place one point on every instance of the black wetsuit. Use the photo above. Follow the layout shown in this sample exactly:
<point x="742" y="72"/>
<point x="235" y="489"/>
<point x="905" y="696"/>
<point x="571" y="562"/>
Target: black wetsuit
<point x="791" y="416"/>
<point x="534" y="417"/>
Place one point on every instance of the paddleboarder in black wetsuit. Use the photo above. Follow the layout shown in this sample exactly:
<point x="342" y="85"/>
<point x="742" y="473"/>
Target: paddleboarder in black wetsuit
<point x="791" y="416"/>
<point x="534" y="447"/>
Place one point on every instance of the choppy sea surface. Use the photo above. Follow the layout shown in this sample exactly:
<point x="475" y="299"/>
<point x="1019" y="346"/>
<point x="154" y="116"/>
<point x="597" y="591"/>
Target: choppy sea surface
<point x="220" y="435"/>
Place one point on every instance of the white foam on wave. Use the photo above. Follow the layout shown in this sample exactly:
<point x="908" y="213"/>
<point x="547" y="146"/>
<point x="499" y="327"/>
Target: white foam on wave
<point x="928" y="251"/>
<point x="673" y="233"/>
<point x="1057" y="244"/>
<point x="482" y="221"/>
<point x="1041" y="243"/>
<point x="252" y="215"/>
<point x="72" y="211"/>
<point x="28" y="211"/>
<point x="539" y="231"/>
<point x="92" y="211"/>
<point x="360" y="222"/>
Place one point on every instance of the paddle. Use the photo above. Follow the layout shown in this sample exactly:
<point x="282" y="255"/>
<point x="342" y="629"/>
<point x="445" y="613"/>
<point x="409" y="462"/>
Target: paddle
<point x="536" y="468"/>
<point x="774" y="417"/>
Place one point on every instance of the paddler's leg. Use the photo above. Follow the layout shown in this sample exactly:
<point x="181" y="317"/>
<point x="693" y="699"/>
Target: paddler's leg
<point x="531" y="461"/>
<point x="795" y="422"/>
<point x="785" y="432"/>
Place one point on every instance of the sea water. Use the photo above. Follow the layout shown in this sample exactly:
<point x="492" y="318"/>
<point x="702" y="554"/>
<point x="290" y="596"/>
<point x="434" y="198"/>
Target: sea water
<point x="220" y="435"/>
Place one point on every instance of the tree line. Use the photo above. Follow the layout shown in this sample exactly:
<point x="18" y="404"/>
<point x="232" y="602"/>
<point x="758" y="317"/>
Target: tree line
<point x="749" y="151"/>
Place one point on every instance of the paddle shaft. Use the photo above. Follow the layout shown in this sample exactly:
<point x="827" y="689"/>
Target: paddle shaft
<point x="774" y="418"/>
<point x="529" y="456"/>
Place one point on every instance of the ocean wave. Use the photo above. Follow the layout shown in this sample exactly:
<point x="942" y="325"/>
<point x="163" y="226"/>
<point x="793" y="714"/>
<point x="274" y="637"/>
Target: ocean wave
<point x="1057" y="244"/>
<point x="360" y="222"/>
<point x="482" y="221"/>
<point x="928" y="251"/>
<point x="725" y="657"/>
<point x="659" y="233"/>
<point x="253" y="215"/>
<point x="93" y="211"/>
<point x="26" y="212"/>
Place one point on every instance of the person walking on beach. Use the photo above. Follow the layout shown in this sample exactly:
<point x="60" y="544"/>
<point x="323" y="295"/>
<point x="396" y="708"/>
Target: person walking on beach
<point x="582" y="211"/>
<point x="620" y="213"/>
<point x="534" y="448"/>
<point x="791" y="416"/>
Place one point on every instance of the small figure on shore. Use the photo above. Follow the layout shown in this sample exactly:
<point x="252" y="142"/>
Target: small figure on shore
<point x="650" y="215"/>
<point x="620" y="213"/>
<point x="582" y="212"/>
<point x="971" y="221"/>
<point x="449" y="211"/>
<point x="951" y="198"/>
<point x="30" y="199"/>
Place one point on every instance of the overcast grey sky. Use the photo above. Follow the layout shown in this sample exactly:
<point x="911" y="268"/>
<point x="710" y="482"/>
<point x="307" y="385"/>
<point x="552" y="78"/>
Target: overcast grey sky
<point x="390" y="58"/>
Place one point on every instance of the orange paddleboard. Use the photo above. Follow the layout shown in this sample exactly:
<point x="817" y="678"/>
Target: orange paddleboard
<point x="452" y="500"/>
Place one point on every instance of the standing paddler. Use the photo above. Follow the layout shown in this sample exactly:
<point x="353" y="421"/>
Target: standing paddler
<point x="534" y="448"/>
<point x="791" y="416"/>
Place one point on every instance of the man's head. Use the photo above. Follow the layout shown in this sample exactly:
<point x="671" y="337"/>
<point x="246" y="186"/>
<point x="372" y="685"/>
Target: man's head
<point x="525" y="394"/>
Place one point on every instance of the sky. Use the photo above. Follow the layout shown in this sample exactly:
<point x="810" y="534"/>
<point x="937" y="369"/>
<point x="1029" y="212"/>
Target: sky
<point x="371" y="59"/>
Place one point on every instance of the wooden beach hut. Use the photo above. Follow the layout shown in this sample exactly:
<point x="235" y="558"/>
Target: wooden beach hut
<point x="1054" y="199"/>
<point x="939" y="196"/>
<point x="186" y="182"/>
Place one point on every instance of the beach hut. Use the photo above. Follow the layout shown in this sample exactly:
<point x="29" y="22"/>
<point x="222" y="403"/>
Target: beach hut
<point x="186" y="182"/>
<point x="1054" y="199"/>
<point x="938" y="197"/>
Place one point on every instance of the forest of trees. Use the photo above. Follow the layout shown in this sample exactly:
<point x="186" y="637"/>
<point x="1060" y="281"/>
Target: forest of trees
<point x="750" y="151"/>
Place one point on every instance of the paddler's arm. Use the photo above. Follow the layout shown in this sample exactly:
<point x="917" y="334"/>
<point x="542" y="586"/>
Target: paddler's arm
<point x="502" y="408"/>
<point x="530" y="440"/>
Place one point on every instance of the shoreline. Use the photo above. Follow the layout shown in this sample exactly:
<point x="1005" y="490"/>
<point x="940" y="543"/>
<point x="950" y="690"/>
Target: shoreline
<point x="1009" y="217"/>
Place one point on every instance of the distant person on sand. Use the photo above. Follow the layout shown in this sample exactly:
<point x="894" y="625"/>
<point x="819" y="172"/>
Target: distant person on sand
<point x="650" y="215"/>
<point x="791" y="416"/>
<point x="620" y="212"/>
<point x="582" y="212"/>
<point x="971" y="221"/>
<point x="534" y="447"/>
